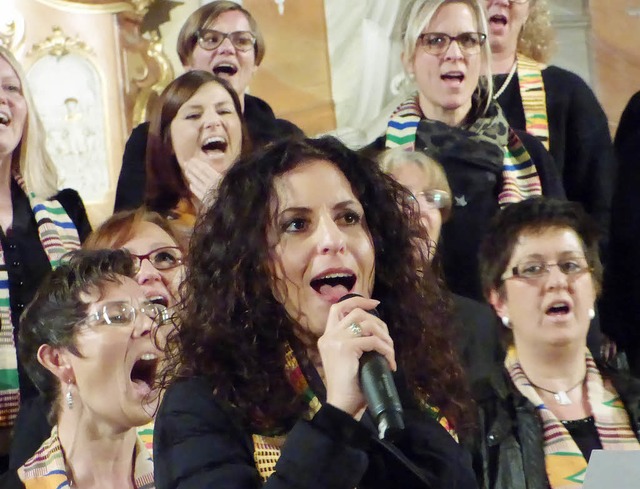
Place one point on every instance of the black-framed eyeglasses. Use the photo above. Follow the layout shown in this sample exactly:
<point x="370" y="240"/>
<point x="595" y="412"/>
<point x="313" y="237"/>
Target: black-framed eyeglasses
<point x="124" y="313"/>
<point x="535" y="269"/>
<point x="163" y="258"/>
<point x="209" y="39"/>
<point x="438" y="42"/>
<point x="433" y="199"/>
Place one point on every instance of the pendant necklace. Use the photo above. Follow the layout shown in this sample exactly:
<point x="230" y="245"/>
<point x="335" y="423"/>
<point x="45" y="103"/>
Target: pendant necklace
<point x="506" y="82"/>
<point x="561" y="397"/>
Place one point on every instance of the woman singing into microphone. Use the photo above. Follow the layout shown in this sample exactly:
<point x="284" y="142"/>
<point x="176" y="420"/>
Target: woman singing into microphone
<point x="264" y="372"/>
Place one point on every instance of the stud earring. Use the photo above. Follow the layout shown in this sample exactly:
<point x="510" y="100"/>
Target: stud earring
<point x="68" y="396"/>
<point x="505" y="321"/>
<point x="592" y="313"/>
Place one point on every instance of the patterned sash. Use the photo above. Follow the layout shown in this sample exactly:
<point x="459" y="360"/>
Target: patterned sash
<point x="58" y="236"/>
<point x="47" y="468"/>
<point x="534" y="99"/>
<point x="520" y="178"/>
<point x="564" y="462"/>
<point x="267" y="448"/>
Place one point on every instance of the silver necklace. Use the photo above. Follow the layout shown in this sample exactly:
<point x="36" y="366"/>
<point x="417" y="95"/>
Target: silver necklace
<point x="561" y="397"/>
<point x="504" y="86"/>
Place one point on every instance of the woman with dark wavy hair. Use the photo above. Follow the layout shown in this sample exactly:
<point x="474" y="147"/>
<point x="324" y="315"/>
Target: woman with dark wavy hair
<point x="267" y="351"/>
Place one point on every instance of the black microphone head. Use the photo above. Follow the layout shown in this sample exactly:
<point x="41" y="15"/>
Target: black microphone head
<point x="350" y="295"/>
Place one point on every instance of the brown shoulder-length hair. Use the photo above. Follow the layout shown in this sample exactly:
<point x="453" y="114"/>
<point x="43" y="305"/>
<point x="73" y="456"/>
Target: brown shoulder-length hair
<point x="233" y="329"/>
<point x="204" y="16"/>
<point x="166" y="184"/>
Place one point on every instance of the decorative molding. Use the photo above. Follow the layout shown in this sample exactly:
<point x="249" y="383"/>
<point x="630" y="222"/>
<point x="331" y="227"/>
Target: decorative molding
<point x="59" y="45"/>
<point x="100" y="6"/>
<point x="160" y="59"/>
<point x="11" y="29"/>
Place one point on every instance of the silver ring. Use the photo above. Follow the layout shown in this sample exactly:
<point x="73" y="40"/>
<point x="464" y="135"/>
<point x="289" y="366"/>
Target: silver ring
<point x="355" y="329"/>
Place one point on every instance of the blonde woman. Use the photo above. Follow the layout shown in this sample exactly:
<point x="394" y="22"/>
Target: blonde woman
<point x="551" y="103"/>
<point x="453" y="118"/>
<point x="38" y="225"/>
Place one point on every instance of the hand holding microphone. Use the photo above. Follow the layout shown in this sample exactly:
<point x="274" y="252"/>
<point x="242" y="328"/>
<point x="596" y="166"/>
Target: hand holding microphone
<point x="357" y="356"/>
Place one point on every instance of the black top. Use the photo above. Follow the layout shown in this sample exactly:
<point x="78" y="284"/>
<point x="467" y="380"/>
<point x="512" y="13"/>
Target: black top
<point x="585" y="434"/>
<point x="476" y="337"/>
<point x="620" y="305"/>
<point x="25" y="258"/>
<point x="262" y="126"/>
<point x="579" y="138"/>
<point x="508" y="450"/>
<point x="198" y="442"/>
<point x="480" y="186"/>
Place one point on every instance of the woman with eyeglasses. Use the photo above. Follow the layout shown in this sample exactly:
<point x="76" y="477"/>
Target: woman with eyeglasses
<point x="157" y="253"/>
<point x="475" y="333"/>
<point x="551" y="103"/>
<point x="222" y="38"/>
<point x="92" y="342"/>
<point x="452" y="118"/>
<point x="155" y="247"/>
<point x="551" y="404"/>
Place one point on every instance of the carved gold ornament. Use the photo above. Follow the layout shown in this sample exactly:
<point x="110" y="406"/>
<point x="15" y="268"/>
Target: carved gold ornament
<point x="59" y="45"/>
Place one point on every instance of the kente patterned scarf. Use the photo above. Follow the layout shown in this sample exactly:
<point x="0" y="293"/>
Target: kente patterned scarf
<point x="47" y="468"/>
<point x="267" y="448"/>
<point x="58" y="236"/>
<point x="534" y="98"/>
<point x="487" y="134"/>
<point x="564" y="462"/>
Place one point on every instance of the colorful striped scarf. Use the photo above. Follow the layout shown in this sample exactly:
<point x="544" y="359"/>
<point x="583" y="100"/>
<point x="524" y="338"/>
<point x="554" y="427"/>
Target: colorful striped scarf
<point x="58" y="236"/>
<point x="47" y="469"/>
<point x="267" y="448"/>
<point x="520" y="178"/>
<point x="534" y="98"/>
<point x="564" y="462"/>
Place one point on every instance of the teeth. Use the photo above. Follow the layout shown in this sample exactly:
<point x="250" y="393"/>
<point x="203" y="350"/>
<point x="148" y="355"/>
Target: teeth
<point x="335" y="275"/>
<point x="149" y="356"/>
<point x="4" y="118"/>
<point x="213" y="139"/>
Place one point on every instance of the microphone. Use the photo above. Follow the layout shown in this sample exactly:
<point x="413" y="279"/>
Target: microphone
<point x="379" y="389"/>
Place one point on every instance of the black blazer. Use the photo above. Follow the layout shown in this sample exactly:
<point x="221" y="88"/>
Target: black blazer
<point x="199" y="443"/>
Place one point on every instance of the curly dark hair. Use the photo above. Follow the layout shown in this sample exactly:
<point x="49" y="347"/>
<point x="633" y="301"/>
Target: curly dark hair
<point x="233" y="330"/>
<point x="52" y="317"/>
<point x="537" y="214"/>
<point x="165" y="184"/>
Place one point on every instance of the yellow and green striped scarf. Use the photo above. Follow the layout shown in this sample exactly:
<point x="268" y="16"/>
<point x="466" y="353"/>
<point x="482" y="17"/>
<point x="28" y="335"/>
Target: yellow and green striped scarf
<point x="47" y="469"/>
<point x="58" y="236"/>
<point x="520" y="178"/>
<point x="534" y="99"/>
<point x="564" y="462"/>
<point x="267" y="448"/>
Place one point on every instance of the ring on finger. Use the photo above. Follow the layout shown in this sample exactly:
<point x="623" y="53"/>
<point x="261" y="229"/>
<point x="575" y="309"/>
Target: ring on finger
<point x="355" y="329"/>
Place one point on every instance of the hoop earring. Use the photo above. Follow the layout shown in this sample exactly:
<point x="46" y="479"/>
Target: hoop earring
<point x="68" y="397"/>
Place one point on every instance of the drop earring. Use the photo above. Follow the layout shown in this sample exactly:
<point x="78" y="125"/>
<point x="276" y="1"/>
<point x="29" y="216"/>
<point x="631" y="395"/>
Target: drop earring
<point x="69" y="396"/>
<point x="592" y="313"/>
<point x="505" y="321"/>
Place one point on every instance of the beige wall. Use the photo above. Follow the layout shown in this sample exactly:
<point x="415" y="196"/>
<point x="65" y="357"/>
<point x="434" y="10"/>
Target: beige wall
<point x="615" y="49"/>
